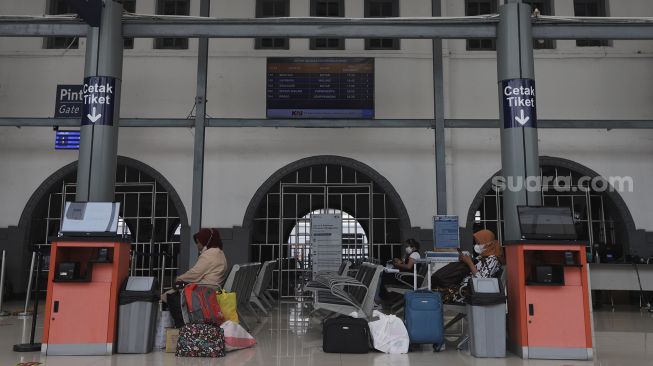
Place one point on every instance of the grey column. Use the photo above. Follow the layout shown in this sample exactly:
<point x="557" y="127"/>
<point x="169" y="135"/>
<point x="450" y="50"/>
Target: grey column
<point x="519" y="151"/>
<point x="96" y="173"/>
<point x="200" y="126"/>
<point x="438" y="105"/>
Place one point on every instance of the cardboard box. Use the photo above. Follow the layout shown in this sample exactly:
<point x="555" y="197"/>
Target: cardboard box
<point x="172" y="335"/>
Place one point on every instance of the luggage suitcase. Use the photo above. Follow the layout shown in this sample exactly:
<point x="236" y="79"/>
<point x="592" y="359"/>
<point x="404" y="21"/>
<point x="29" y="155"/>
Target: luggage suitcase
<point x="345" y="335"/>
<point x="424" y="319"/>
<point x="200" y="340"/>
<point x="203" y="306"/>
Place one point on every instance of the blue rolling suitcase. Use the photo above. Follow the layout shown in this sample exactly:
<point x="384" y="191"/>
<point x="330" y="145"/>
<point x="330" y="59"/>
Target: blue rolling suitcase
<point x="424" y="319"/>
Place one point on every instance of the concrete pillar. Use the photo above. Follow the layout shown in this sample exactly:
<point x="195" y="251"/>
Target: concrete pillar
<point x="96" y="174"/>
<point x="516" y="79"/>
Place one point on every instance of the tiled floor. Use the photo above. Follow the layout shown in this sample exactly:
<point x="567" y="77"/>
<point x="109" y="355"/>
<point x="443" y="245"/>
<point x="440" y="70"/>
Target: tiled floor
<point x="289" y="338"/>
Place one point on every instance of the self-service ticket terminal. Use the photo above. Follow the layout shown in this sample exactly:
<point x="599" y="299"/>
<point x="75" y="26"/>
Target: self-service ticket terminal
<point x="88" y="264"/>
<point x="548" y="289"/>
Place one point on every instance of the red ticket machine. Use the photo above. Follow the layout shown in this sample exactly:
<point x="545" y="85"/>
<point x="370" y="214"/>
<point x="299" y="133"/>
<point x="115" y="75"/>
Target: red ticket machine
<point x="548" y="300"/>
<point x="82" y="301"/>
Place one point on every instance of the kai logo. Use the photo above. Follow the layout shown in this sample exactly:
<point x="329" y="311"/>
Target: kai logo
<point x="297" y="113"/>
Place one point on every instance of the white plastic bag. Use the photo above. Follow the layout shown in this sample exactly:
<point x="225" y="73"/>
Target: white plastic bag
<point x="236" y="337"/>
<point x="163" y="321"/>
<point x="389" y="334"/>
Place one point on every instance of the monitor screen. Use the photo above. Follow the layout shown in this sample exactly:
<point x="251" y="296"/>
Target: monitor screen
<point x="320" y="87"/>
<point x="540" y="222"/>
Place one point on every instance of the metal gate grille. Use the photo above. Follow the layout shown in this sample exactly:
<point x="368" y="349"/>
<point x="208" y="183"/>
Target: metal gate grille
<point x="281" y="228"/>
<point x="147" y="214"/>
<point x="594" y="224"/>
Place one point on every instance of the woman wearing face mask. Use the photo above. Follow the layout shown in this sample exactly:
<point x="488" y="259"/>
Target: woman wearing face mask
<point x="412" y="253"/>
<point x="405" y="265"/>
<point x="486" y="264"/>
<point x="211" y="265"/>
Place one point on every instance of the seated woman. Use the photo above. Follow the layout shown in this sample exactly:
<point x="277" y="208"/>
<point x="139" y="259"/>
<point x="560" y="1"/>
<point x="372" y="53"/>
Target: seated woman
<point x="405" y="265"/>
<point x="486" y="265"/>
<point x="211" y="266"/>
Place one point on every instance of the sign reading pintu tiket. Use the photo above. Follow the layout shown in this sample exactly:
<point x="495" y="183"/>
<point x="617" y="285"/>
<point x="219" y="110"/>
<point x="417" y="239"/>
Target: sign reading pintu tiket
<point x="98" y="93"/>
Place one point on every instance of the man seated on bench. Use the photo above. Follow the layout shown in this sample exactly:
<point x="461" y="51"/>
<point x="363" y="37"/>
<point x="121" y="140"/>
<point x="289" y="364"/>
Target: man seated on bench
<point x="452" y="280"/>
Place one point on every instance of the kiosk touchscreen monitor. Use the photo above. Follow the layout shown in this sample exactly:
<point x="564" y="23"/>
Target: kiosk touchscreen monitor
<point x="546" y="223"/>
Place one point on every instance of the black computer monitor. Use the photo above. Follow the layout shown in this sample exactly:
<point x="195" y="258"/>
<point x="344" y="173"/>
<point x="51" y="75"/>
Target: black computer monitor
<point x="546" y="223"/>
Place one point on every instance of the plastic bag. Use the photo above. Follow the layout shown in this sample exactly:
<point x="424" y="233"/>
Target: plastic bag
<point x="228" y="304"/>
<point x="163" y="321"/>
<point x="389" y="334"/>
<point x="236" y="337"/>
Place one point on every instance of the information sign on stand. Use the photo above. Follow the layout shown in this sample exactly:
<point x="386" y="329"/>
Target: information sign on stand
<point x="326" y="242"/>
<point x="446" y="232"/>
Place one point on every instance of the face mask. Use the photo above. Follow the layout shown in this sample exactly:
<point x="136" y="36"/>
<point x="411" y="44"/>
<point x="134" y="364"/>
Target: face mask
<point x="478" y="248"/>
<point x="409" y="250"/>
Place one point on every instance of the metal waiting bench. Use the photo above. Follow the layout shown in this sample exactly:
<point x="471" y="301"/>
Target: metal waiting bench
<point x="321" y="281"/>
<point x="241" y="280"/>
<point x="260" y="293"/>
<point x="347" y="295"/>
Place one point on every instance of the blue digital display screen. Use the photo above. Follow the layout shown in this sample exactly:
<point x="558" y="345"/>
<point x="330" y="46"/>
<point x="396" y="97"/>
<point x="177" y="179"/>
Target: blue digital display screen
<point x="66" y="140"/>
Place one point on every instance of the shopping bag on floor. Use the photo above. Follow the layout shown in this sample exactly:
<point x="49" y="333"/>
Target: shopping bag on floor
<point x="228" y="305"/>
<point x="389" y="334"/>
<point x="236" y="337"/>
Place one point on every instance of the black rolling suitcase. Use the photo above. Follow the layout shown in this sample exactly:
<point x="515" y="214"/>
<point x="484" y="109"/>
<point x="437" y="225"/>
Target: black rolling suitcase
<point x="345" y="335"/>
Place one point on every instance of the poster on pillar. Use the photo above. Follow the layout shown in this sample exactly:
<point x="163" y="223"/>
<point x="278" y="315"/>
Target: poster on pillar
<point x="518" y="98"/>
<point x="99" y="100"/>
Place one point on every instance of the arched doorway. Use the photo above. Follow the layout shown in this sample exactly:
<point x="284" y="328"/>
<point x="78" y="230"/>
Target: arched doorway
<point x="603" y="219"/>
<point x="151" y="212"/>
<point x="277" y="215"/>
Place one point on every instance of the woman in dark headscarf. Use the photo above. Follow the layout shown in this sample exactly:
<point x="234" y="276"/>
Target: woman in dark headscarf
<point x="211" y="266"/>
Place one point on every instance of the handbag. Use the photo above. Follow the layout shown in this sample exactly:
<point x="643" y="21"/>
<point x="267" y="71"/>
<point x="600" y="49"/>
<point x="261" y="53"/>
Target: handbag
<point x="228" y="304"/>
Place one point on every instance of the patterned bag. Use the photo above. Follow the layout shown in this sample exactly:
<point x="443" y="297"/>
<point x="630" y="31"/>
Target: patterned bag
<point x="200" y="340"/>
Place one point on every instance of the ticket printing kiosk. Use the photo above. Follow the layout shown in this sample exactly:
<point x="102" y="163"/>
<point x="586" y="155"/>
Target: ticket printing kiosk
<point x="88" y="264"/>
<point x="548" y="290"/>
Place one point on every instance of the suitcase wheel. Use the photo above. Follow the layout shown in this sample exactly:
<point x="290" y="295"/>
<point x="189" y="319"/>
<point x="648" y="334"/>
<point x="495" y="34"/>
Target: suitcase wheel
<point x="438" y="347"/>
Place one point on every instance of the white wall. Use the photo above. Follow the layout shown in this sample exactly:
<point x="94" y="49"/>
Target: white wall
<point x="573" y="83"/>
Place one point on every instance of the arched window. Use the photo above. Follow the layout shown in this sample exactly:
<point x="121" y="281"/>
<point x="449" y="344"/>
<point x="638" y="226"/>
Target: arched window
<point x="279" y="216"/>
<point x="602" y="219"/>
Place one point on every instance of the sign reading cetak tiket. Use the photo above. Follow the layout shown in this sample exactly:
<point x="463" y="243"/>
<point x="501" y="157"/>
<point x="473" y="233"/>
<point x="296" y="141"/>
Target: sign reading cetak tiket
<point x="518" y="97"/>
<point x="98" y="93"/>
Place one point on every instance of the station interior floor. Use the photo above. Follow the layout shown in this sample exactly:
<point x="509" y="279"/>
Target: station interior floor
<point x="288" y="337"/>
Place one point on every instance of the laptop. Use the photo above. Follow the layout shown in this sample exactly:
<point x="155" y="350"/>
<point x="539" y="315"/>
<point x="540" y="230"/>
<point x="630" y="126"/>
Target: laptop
<point x="83" y="219"/>
<point x="546" y="223"/>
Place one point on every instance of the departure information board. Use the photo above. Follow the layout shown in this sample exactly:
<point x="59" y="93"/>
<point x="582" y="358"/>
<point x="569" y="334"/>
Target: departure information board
<point x="66" y="140"/>
<point x="320" y="88"/>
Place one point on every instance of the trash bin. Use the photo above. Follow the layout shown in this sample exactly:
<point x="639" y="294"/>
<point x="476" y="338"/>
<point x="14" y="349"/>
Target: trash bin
<point x="137" y="313"/>
<point x="486" y="315"/>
